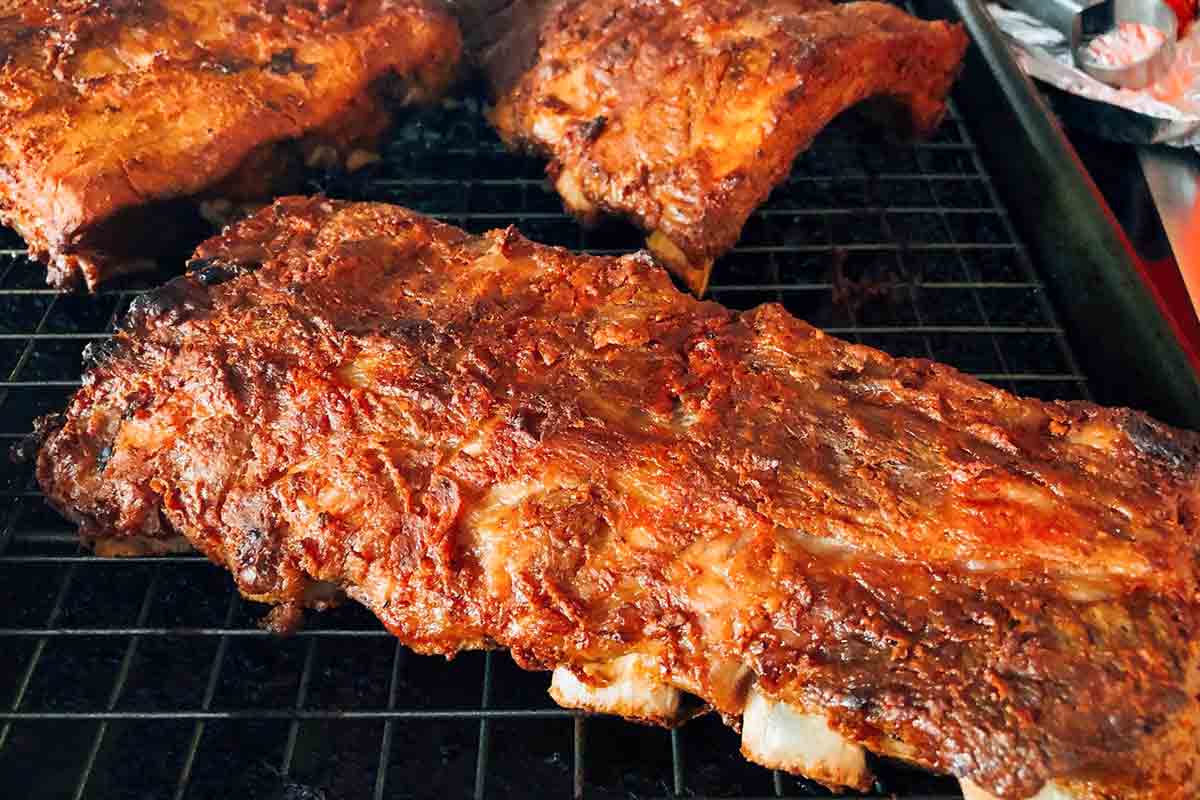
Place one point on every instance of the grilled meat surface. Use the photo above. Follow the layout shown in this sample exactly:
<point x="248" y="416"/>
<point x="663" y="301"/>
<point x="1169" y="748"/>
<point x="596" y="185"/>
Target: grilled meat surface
<point x="684" y="116"/>
<point x="110" y="112"/>
<point x="489" y="442"/>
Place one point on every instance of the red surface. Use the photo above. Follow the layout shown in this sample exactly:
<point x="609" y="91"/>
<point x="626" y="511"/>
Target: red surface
<point x="1184" y="9"/>
<point x="1165" y="281"/>
<point x="1163" y="275"/>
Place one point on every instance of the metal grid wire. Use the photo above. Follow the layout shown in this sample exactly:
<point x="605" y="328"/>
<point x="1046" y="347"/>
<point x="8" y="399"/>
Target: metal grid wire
<point x="148" y="678"/>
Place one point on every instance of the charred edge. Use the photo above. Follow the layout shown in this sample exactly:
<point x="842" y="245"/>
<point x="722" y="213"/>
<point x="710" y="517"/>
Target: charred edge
<point x="215" y="271"/>
<point x="284" y="63"/>
<point x="24" y="450"/>
<point x="256" y="556"/>
<point x="593" y="128"/>
<point x="97" y="353"/>
<point x="173" y="302"/>
<point x="1158" y="443"/>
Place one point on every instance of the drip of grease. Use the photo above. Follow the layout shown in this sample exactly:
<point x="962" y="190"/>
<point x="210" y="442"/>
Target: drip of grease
<point x="1128" y="43"/>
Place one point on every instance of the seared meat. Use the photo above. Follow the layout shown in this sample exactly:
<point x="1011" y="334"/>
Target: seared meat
<point x="489" y="442"/>
<point x="684" y="116"/>
<point x="111" y="112"/>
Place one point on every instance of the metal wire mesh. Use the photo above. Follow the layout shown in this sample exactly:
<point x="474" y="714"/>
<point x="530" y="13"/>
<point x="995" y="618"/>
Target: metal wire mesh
<point x="149" y="678"/>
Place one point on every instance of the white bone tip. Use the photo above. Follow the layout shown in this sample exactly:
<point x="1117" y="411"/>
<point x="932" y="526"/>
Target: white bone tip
<point x="630" y="689"/>
<point x="783" y="737"/>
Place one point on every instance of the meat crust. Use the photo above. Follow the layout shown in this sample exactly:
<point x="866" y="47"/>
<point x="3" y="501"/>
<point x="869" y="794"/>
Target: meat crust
<point x="489" y="442"/>
<point x="109" y="111"/>
<point x="683" y="116"/>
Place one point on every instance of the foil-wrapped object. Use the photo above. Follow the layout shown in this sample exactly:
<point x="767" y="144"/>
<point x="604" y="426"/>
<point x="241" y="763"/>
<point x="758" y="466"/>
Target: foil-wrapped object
<point x="1166" y="112"/>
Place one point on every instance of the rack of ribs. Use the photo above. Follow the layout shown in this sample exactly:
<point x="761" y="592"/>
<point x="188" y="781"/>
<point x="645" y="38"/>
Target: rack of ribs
<point x="684" y="116"/>
<point x="493" y="443"/>
<point x="121" y="122"/>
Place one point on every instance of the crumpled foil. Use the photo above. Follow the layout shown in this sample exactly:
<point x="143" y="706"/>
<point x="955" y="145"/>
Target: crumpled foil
<point x="1167" y="112"/>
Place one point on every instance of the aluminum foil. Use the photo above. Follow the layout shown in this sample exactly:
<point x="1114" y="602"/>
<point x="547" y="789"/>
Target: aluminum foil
<point x="1167" y="112"/>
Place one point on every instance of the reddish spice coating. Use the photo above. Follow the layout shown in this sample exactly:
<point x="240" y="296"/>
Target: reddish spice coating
<point x="110" y="110"/>
<point x="684" y="116"/>
<point x="489" y="442"/>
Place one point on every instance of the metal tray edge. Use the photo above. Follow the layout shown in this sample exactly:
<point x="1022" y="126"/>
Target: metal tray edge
<point x="1120" y="334"/>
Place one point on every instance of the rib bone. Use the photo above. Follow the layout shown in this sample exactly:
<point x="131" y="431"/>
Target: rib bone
<point x="491" y="443"/>
<point x="627" y="686"/>
<point x="780" y="736"/>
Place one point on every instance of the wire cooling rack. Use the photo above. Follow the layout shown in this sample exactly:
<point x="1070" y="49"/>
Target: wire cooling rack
<point x="148" y="678"/>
